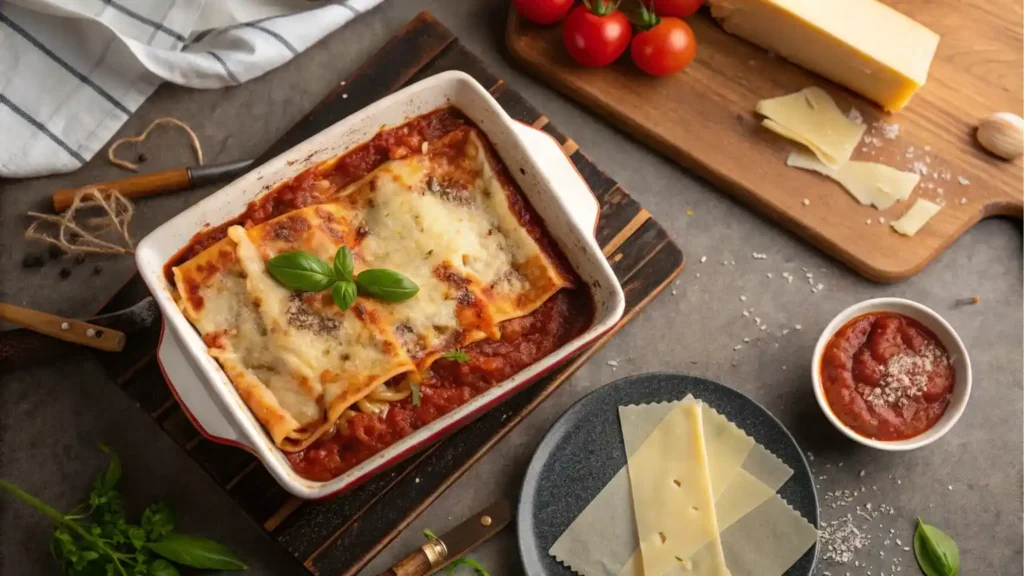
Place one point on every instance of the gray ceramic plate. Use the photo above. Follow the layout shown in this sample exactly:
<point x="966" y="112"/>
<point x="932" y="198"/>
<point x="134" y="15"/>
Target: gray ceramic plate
<point x="584" y="449"/>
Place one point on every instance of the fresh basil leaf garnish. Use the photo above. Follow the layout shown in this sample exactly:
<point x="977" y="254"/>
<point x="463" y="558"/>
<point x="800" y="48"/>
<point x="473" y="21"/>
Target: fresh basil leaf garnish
<point x="344" y="293"/>
<point x="386" y="285"/>
<point x="936" y="553"/>
<point x="301" y="271"/>
<point x="343" y="264"/>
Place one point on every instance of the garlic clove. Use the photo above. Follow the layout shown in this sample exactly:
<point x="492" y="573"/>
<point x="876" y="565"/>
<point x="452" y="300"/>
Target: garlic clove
<point x="1003" y="135"/>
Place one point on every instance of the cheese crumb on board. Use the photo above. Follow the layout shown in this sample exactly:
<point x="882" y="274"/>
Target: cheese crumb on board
<point x="915" y="218"/>
<point x="869" y="183"/>
<point x="862" y="44"/>
<point x="812" y="118"/>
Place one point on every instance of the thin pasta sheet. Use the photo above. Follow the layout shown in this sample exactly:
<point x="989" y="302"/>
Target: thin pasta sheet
<point x="674" y="504"/>
<point x="603" y="539"/>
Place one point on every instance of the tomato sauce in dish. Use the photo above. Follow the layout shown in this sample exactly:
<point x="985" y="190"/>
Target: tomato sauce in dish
<point x="886" y="376"/>
<point x="448" y="384"/>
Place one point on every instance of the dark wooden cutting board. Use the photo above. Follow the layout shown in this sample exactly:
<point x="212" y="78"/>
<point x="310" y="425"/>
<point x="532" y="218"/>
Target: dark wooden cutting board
<point x="703" y="118"/>
<point x="340" y="535"/>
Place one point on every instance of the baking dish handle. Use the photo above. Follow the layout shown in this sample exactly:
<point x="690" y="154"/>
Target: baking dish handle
<point x="202" y="408"/>
<point x="569" y="184"/>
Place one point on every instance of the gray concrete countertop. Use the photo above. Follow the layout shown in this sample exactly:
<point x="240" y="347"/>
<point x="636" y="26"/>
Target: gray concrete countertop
<point x="969" y="483"/>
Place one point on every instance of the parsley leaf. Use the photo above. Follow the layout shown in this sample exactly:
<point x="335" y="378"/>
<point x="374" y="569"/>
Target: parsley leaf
<point x="158" y="520"/>
<point x="456" y="356"/>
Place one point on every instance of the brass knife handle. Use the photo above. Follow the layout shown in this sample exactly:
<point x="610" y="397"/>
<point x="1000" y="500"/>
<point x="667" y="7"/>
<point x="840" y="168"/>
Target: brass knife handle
<point x="430" y="556"/>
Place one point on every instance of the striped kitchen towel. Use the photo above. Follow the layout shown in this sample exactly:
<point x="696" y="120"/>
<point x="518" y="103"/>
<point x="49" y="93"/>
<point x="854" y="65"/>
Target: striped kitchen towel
<point x="73" y="71"/>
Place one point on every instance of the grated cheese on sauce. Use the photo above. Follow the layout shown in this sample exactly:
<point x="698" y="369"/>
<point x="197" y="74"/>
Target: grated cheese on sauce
<point x="904" y="376"/>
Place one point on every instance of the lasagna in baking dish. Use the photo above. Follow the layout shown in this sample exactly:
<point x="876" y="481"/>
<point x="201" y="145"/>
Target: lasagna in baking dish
<point x="429" y="200"/>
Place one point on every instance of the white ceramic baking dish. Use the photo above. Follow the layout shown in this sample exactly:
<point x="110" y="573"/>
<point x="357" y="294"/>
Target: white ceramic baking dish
<point x="535" y="160"/>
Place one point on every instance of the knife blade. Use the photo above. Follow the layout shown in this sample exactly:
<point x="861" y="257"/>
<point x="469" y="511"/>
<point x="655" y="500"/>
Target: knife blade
<point x="439" y="552"/>
<point x="20" y="347"/>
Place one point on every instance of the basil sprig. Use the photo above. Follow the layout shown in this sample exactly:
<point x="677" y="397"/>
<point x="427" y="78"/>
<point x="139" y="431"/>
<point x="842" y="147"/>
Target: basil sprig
<point x="936" y="552"/>
<point x="304" y="272"/>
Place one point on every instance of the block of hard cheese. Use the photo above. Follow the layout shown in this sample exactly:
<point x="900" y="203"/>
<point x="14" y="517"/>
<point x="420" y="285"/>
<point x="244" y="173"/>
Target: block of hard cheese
<point x="862" y="44"/>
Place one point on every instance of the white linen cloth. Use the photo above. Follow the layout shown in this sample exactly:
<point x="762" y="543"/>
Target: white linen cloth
<point x="73" y="71"/>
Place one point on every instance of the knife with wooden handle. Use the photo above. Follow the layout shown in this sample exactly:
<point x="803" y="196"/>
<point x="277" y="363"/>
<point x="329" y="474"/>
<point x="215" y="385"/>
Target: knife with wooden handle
<point x="439" y="552"/>
<point x="158" y="182"/>
<point x="66" y="329"/>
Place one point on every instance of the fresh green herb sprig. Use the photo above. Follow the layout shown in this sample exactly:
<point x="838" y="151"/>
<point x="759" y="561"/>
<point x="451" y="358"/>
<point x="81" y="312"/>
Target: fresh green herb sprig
<point x="95" y="539"/>
<point x="456" y="356"/>
<point x="936" y="553"/>
<point x="304" y="272"/>
<point x="476" y="566"/>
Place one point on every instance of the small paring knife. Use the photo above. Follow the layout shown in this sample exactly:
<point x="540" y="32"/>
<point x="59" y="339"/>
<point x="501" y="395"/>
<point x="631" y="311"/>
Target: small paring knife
<point x="158" y="182"/>
<point x="437" y="553"/>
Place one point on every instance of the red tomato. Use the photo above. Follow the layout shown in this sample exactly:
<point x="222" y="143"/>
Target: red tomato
<point x="677" y="8"/>
<point x="666" y="48"/>
<point x="598" y="36"/>
<point x="543" y="11"/>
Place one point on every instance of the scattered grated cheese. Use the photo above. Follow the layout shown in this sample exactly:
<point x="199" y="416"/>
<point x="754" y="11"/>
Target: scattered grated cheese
<point x="743" y="298"/>
<point x="855" y="115"/>
<point x="703" y="259"/>
<point x="889" y="131"/>
<point x="807" y="202"/>
<point x="963" y="200"/>
<point x="919" y="167"/>
<point x="963" y="181"/>
<point x="613" y="363"/>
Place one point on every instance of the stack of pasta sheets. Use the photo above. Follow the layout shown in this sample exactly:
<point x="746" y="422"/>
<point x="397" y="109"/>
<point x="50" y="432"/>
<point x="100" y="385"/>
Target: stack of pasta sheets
<point x="697" y="497"/>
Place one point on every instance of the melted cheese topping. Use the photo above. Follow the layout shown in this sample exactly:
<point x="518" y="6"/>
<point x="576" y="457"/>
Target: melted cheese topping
<point x="444" y="219"/>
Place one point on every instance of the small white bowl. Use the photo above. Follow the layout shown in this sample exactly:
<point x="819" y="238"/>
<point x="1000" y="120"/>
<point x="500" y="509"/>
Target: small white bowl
<point x="942" y="330"/>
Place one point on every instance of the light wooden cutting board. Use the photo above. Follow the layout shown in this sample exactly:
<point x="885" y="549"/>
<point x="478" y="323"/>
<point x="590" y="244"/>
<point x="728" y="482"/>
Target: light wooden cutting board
<point x="704" y="119"/>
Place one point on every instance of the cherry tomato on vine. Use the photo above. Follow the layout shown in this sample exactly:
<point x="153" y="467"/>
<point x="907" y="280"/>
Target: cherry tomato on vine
<point x="543" y="11"/>
<point x="596" y="33"/>
<point x="663" y="46"/>
<point x="677" y="8"/>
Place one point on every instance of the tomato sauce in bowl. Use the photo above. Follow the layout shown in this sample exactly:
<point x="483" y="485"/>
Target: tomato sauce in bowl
<point x="886" y="376"/>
